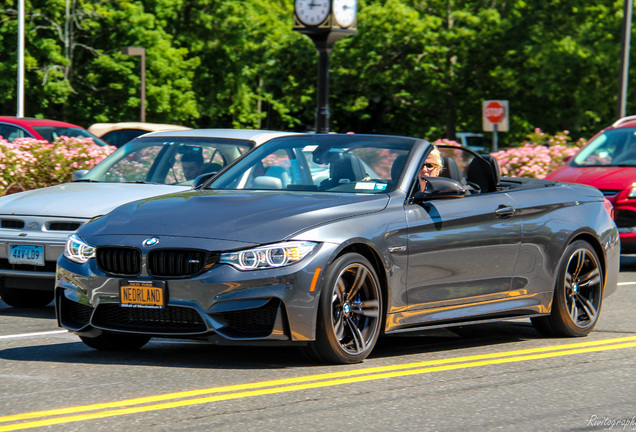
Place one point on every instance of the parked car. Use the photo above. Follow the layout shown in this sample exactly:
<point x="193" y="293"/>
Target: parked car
<point x="270" y="251"/>
<point x="34" y="225"/>
<point x="608" y="162"/>
<point x="48" y="130"/>
<point x="118" y="134"/>
<point x="475" y="141"/>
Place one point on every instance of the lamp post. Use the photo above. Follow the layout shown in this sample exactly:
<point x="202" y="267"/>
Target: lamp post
<point x="20" y="93"/>
<point x="624" y="70"/>
<point x="136" y="51"/>
<point x="325" y="22"/>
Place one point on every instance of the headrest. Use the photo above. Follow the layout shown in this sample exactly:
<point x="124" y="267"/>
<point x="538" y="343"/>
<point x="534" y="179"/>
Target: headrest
<point x="347" y="166"/>
<point x="397" y="167"/>
<point x="450" y="169"/>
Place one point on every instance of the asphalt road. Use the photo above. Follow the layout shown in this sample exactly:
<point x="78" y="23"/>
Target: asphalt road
<point x="499" y="376"/>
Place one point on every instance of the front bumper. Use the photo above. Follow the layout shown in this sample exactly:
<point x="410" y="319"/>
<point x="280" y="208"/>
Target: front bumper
<point x="49" y="232"/>
<point x="222" y="305"/>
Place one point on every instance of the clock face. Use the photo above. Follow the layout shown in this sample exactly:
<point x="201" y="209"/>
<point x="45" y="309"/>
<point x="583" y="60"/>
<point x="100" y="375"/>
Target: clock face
<point x="345" y="12"/>
<point x="312" y="12"/>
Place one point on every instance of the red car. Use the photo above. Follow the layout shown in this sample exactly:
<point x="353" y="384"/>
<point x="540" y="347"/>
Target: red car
<point x="608" y="162"/>
<point x="14" y="127"/>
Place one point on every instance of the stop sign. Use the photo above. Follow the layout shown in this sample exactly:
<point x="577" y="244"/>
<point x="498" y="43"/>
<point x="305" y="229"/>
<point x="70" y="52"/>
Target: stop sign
<point x="494" y="112"/>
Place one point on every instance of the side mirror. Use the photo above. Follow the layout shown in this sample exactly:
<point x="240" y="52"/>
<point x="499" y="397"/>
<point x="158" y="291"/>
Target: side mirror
<point x="202" y="179"/>
<point x="440" y="188"/>
<point x="79" y="174"/>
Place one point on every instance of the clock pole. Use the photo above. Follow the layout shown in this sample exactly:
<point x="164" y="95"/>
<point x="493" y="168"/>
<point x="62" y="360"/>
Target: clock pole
<point x="325" y="22"/>
<point x="322" y="111"/>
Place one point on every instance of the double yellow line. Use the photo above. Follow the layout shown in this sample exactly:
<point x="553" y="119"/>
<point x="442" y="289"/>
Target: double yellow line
<point x="216" y="394"/>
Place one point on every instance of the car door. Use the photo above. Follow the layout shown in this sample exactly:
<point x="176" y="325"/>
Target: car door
<point x="461" y="251"/>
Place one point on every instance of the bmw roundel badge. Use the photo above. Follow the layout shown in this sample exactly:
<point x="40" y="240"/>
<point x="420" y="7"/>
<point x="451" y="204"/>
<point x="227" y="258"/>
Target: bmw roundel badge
<point x="151" y="241"/>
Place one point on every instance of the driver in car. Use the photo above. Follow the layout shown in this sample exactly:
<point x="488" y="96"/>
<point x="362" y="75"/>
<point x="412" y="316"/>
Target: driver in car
<point x="432" y="167"/>
<point x="192" y="164"/>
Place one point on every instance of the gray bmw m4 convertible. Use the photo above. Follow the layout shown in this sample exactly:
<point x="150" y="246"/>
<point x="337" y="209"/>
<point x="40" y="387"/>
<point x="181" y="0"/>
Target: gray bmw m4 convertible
<point x="329" y="241"/>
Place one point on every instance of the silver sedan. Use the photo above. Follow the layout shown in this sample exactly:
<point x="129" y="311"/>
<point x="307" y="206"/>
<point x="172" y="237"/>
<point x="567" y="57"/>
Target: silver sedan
<point x="34" y="225"/>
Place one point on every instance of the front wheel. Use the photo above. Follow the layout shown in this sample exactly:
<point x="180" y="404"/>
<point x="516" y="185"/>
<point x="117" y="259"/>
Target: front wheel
<point x="349" y="312"/>
<point x="108" y="341"/>
<point x="578" y="294"/>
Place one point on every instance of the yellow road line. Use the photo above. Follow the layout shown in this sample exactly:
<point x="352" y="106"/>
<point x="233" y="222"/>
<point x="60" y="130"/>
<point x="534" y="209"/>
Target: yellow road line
<point x="302" y="383"/>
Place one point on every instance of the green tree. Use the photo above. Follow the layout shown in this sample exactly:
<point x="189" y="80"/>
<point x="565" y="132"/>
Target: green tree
<point x="75" y="70"/>
<point x="417" y="68"/>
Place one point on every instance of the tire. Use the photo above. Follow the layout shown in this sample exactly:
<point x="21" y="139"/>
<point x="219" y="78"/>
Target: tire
<point x="109" y="341"/>
<point x="23" y="298"/>
<point x="578" y="294"/>
<point x="349" y="312"/>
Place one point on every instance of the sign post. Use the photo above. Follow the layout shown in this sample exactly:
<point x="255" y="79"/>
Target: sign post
<point x="495" y="118"/>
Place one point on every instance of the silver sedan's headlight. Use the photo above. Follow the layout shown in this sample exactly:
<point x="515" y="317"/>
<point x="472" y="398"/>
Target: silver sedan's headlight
<point x="77" y="250"/>
<point x="267" y="257"/>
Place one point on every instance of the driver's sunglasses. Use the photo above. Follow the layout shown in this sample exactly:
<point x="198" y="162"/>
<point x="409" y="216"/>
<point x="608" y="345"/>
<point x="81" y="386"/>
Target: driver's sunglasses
<point x="430" y="166"/>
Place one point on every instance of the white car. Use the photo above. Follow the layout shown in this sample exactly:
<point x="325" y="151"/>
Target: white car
<point x="34" y="225"/>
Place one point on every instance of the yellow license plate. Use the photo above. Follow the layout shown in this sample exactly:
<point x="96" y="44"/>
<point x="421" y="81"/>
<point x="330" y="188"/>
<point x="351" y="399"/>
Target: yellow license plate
<point x="142" y="294"/>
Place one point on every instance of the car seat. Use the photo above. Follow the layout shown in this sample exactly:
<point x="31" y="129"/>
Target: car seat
<point x="450" y="169"/>
<point x="280" y="173"/>
<point x="211" y="167"/>
<point x="344" y="168"/>
<point x="397" y="167"/>
<point x="484" y="172"/>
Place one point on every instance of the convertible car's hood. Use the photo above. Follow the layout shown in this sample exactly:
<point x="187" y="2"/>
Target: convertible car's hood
<point x="244" y="216"/>
<point x="608" y="177"/>
<point x="79" y="200"/>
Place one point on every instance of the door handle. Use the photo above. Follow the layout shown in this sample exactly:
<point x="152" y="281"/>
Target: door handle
<point x="504" y="211"/>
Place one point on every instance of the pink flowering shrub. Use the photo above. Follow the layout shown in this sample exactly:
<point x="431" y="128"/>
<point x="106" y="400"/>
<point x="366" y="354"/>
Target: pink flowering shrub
<point x="538" y="156"/>
<point x="27" y="163"/>
<point x="446" y="141"/>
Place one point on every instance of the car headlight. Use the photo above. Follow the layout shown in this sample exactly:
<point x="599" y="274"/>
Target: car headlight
<point x="267" y="257"/>
<point x="77" y="250"/>
<point x="632" y="192"/>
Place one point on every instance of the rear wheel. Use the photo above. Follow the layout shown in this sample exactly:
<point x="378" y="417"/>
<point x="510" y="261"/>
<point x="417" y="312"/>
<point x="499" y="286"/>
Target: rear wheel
<point x="578" y="294"/>
<point x="109" y="341"/>
<point x="349" y="312"/>
<point x="23" y="298"/>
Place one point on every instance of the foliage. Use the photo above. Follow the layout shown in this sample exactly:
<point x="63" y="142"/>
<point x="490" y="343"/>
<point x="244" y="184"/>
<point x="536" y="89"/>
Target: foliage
<point x="27" y="163"/>
<point x="539" y="155"/>
<point x="413" y="68"/>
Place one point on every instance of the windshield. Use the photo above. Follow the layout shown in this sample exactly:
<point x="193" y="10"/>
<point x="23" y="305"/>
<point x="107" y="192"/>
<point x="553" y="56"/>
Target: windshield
<point x="612" y="147"/>
<point x="51" y="133"/>
<point x="167" y="160"/>
<point x="334" y="163"/>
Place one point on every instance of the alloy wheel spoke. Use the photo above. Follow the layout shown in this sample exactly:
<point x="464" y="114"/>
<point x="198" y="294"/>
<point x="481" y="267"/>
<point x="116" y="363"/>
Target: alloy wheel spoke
<point x="580" y="261"/>
<point x="360" y="279"/>
<point x="358" y="339"/>
<point x="339" y="327"/>
<point x="368" y="308"/>
<point x="337" y="312"/>
<point x="587" y="306"/>
<point x="340" y="291"/>
<point x="574" y="312"/>
<point x="592" y="277"/>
